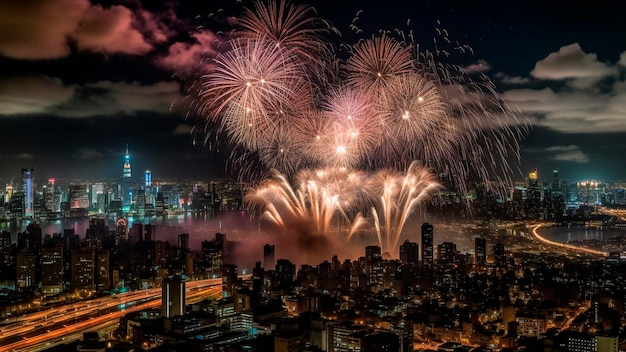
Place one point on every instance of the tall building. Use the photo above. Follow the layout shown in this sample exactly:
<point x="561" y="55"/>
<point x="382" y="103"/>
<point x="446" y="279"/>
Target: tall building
<point x="147" y="178"/>
<point x="446" y="253"/>
<point x="480" y="250"/>
<point x="499" y="258"/>
<point x="427" y="245"/>
<point x="229" y="280"/>
<point x="101" y="270"/>
<point x="79" y="200"/>
<point x="372" y="252"/>
<point x="5" y="250"/>
<point x="213" y="257"/>
<point x="173" y="297"/>
<point x="28" y="189"/>
<point x="83" y="274"/>
<point x="52" y="269"/>
<point x="409" y="253"/>
<point x="49" y="199"/>
<point x="25" y="270"/>
<point x="268" y="257"/>
<point x="97" y="232"/>
<point x="121" y="229"/>
<point x="127" y="193"/>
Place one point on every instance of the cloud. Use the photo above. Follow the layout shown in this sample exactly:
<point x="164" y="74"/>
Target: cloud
<point x="47" y="29"/>
<point x="571" y="153"/>
<point x="575" y="100"/>
<point x="182" y="129"/>
<point x="571" y="62"/>
<point x="513" y="80"/>
<point x="26" y="156"/>
<point x="110" y="98"/>
<point x="186" y="58"/>
<point x="87" y="154"/>
<point x="38" y="29"/>
<point x="32" y="94"/>
<point x="109" y="31"/>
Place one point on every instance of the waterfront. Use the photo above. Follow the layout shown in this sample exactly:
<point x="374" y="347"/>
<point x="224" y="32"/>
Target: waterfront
<point x="247" y="235"/>
<point x="566" y="234"/>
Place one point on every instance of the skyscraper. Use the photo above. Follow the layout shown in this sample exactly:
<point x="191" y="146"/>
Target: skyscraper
<point x="480" y="250"/>
<point x="268" y="257"/>
<point x="427" y="245"/>
<point x="28" y="189"/>
<point x="173" y="297"/>
<point x="127" y="171"/>
<point x="446" y="253"/>
<point x="25" y="270"/>
<point x="499" y="257"/>
<point x="5" y="250"/>
<point x="52" y="269"/>
<point x="127" y="193"/>
<point x="409" y="253"/>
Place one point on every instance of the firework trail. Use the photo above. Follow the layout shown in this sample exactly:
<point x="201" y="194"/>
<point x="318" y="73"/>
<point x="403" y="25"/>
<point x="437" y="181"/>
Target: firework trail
<point x="281" y="96"/>
<point x="398" y="197"/>
<point x="307" y="212"/>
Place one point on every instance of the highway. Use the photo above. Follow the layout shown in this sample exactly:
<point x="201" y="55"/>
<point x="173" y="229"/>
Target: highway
<point x="60" y="324"/>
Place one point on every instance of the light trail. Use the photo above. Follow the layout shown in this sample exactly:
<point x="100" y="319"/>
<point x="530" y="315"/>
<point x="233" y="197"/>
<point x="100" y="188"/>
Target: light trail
<point x="565" y="245"/>
<point x="62" y="326"/>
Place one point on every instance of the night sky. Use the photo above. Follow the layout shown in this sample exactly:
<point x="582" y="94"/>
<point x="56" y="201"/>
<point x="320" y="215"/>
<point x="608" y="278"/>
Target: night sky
<point x="79" y="80"/>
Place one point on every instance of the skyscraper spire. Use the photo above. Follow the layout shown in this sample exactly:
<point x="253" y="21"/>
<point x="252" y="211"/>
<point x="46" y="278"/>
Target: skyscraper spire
<point x="127" y="173"/>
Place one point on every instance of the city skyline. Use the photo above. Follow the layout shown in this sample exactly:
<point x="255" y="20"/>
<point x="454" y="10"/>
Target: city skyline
<point x="70" y="107"/>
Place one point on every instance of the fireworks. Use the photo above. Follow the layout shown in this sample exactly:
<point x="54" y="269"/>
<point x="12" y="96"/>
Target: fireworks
<point x="397" y="196"/>
<point x="279" y="93"/>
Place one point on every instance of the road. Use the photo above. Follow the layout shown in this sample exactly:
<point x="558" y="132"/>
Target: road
<point x="565" y="245"/>
<point x="36" y="330"/>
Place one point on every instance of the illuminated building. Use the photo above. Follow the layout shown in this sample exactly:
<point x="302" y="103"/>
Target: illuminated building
<point x="52" y="270"/>
<point x="409" y="253"/>
<point x="127" y="170"/>
<point x="83" y="274"/>
<point x="48" y="196"/>
<point x="127" y="192"/>
<point x="268" y="257"/>
<point x="148" y="187"/>
<point x="97" y="232"/>
<point x="25" y="270"/>
<point x="229" y="280"/>
<point x="5" y="250"/>
<point x="101" y="270"/>
<point x="90" y="269"/>
<point x="499" y="258"/>
<point x="284" y="273"/>
<point x="446" y="253"/>
<point x="8" y="193"/>
<point x="480" y="250"/>
<point x="533" y="203"/>
<point x="121" y="228"/>
<point x="31" y="238"/>
<point x="28" y="189"/>
<point x="212" y="257"/>
<point x="338" y="335"/>
<point x="79" y="200"/>
<point x="173" y="297"/>
<point x="530" y="325"/>
<point x="427" y="245"/>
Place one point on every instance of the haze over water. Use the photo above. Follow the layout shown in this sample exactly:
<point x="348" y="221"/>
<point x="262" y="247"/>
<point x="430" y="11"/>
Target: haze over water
<point x="247" y="235"/>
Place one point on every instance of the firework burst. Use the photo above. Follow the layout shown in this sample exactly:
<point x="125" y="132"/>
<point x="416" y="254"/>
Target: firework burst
<point x="399" y="115"/>
<point x="396" y="197"/>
